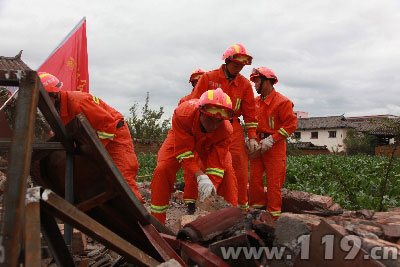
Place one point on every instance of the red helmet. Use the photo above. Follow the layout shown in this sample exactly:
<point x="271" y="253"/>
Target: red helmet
<point x="50" y="82"/>
<point x="216" y="103"/>
<point x="238" y="53"/>
<point x="265" y="72"/>
<point x="196" y="74"/>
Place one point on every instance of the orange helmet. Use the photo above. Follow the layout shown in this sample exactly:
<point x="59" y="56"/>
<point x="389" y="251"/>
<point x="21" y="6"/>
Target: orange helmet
<point x="50" y="82"/>
<point x="238" y="53"/>
<point x="216" y="103"/>
<point x="263" y="72"/>
<point x="196" y="74"/>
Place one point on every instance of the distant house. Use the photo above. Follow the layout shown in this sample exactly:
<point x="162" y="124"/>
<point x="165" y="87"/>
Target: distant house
<point x="323" y="131"/>
<point x="361" y="119"/>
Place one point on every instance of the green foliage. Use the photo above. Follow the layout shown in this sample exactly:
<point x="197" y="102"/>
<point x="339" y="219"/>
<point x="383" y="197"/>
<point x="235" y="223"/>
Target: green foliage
<point x="147" y="164"/>
<point x="149" y="125"/>
<point x="291" y="149"/>
<point x="358" y="143"/>
<point x="352" y="181"/>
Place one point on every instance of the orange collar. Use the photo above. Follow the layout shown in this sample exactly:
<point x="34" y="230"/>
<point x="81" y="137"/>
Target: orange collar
<point x="223" y="76"/>
<point x="269" y="97"/>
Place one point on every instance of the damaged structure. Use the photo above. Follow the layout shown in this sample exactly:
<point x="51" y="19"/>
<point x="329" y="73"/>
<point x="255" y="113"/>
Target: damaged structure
<point x="79" y="185"/>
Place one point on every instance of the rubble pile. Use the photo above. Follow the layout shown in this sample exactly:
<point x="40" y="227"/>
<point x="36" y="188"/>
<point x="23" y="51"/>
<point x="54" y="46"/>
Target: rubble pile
<point x="307" y="221"/>
<point x="311" y="229"/>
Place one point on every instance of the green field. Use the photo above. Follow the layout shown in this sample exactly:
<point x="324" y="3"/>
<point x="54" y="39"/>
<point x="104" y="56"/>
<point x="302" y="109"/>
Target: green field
<point x="354" y="182"/>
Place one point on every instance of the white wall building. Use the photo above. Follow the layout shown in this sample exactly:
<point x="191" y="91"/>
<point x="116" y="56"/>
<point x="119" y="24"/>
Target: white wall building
<point x="324" y="131"/>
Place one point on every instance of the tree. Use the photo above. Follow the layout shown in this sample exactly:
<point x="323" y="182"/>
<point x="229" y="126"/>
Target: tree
<point x="149" y="125"/>
<point x="359" y="143"/>
<point x="394" y="127"/>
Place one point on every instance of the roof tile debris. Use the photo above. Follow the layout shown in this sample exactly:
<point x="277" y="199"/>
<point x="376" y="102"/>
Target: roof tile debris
<point x="309" y="146"/>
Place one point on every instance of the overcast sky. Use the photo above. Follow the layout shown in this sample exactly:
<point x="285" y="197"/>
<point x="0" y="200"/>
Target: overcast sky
<point x="331" y="57"/>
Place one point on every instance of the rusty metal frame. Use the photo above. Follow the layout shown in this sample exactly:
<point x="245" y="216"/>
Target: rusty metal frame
<point x="53" y="204"/>
<point x="6" y="145"/>
<point x="162" y="246"/>
<point x="43" y="205"/>
<point x="19" y="165"/>
<point x="41" y="216"/>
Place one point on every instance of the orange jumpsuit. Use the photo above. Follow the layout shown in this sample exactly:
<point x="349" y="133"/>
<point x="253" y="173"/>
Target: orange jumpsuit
<point x="104" y="120"/>
<point x="190" y="193"/>
<point x="185" y="98"/>
<point x="275" y="117"/>
<point x="184" y="139"/>
<point x="242" y="96"/>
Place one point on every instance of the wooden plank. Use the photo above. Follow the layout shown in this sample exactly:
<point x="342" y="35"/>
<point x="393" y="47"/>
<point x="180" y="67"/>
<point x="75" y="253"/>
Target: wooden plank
<point x="95" y="201"/>
<point x="54" y="239"/>
<point x="50" y="113"/>
<point x="32" y="234"/>
<point x="6" y="145"/>
<point x="95" y="173"/>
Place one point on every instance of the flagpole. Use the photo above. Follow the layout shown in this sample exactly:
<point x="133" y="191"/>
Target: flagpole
<point x="65" y="39"/>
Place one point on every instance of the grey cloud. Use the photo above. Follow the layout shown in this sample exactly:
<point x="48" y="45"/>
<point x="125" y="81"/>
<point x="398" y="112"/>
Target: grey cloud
<point x="330" y="57"/>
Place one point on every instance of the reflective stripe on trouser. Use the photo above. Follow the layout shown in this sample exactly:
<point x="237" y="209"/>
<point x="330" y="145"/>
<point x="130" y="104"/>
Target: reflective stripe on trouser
<point x="162" y="185"/>
<point x="275" y="169"/>
<point x="240" y="162"/>
<point x="123" y="154"/>
<point x="226" y="186"/>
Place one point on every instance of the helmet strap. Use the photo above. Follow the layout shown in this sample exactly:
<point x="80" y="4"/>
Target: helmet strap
<point x="259" y="89"/>
<point x="203" y="130"/>
<point x="230" y="76"/>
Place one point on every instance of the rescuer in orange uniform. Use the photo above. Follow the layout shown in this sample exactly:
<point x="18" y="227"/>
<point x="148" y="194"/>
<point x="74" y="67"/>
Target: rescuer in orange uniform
<point x="240" y="91"/>
<point x="199" y="126"/>
<point x="190" y="193"/>
<point x="276" y="122"/>
<point x="194" y="78"/>
<point x="106" y="121"/>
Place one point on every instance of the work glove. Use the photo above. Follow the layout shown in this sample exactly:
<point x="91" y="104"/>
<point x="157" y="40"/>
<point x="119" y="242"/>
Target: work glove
<point x="206" y="187"/>
<point x="266" y="143"/>
<point x="252" y="145"/>
<point x="256" y="153"/>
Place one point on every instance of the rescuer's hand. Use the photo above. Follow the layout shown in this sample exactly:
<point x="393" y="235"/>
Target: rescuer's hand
<point x="266" y="143"/>
<point x="206" y="187"/>
<point x="255" y="153"/>
<point x="253" y="145"/>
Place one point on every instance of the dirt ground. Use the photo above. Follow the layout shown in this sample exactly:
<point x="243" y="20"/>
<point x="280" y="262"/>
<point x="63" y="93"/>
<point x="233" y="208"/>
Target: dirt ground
<point x="177" y="208"/>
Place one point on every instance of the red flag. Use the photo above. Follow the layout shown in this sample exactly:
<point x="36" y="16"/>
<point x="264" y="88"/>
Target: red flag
<point x="69" y="61"/>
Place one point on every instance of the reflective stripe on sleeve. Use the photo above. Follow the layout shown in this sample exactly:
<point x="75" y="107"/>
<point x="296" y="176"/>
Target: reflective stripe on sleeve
<point x="185" y="155"/>
<point x="96" y="99"/>
<point x="158" y="209"/>
<point x="283" y="132"/>
<point x="251" y="124"/>
<point x="103" y="135"/>
<point x="215" y="171"/>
